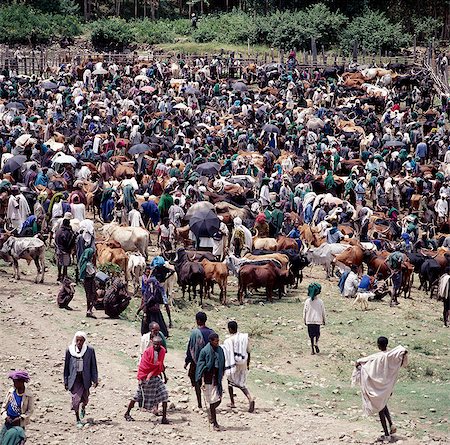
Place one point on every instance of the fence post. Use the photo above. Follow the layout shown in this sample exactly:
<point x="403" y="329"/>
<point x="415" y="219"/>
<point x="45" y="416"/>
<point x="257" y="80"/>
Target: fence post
<point x="271" y="54"/>
<point x="314" y="51"/>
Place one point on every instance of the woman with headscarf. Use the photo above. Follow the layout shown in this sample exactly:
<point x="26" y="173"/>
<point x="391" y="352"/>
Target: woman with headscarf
<point x="86" y="271"/>
<point x="314" y="315"/>
<point x="153" y="295"/>
<point x="243" y="235"/>
<point x="261" y="225"/>
<point x="80" y="373"/>
<point x="107" y="205"/>
<point x="17" y="409"/>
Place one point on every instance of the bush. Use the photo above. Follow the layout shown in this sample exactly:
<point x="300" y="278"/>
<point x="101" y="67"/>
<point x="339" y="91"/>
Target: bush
<point x="425" y="27"/>
<point x="67" y="25"/>
<point x="181" y="27"/>
<point x="150" y="32"/>
<point x="233" y="28"/>
<point x="289" y="30"/>
<point x="21" y="24"/>
<point x="374" y="32"/>
<point x="113" y="33"/>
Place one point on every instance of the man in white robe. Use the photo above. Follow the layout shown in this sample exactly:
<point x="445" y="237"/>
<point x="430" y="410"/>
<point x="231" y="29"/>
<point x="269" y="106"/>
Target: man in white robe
<point x="18" y="209"/>
<point x="236" y="349"/>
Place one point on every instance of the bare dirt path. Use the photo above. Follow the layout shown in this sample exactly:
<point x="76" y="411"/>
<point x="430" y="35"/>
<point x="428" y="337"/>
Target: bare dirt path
<point x="35" y="334"/>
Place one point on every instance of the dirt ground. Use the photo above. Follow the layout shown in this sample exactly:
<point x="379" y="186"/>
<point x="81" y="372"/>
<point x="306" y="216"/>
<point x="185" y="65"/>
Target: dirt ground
<point x="35" y="334"/>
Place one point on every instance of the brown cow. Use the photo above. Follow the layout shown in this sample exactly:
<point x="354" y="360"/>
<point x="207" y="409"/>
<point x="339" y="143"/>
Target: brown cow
<point x="280" y="257"/>
<point x="268" y="275"/>
<point x="286" y="243"/>
<point x="216" y="272"/>
<point x="352" y="256"/>
<point x="112" y="252"/>
<point x="310" y="236"/>
<point x="122" y="171"/>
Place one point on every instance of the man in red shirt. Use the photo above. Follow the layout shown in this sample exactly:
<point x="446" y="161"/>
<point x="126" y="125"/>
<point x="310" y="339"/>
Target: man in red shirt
<point x="151" y="389"/>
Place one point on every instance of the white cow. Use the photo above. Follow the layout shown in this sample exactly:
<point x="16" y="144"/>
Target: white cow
<point x="135" y="268"/>
<point x="131" y="239"/>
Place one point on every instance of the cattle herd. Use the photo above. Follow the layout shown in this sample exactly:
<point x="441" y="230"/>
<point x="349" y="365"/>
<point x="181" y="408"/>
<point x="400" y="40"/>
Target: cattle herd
<point x="336" y="167"/>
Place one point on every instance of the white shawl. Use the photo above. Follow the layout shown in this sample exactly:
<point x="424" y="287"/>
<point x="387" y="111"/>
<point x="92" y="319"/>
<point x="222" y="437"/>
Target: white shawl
<point x="377" y="376"/>
<point x="235" y="350"/>
<point x="73" y="346"/>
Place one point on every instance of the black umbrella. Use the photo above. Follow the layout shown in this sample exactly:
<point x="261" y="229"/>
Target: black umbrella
<point x="270" y="128"/>
<point x="139" y="148"/>
<point x="15" y="106"/>
<point x="240" y="86"/>
<point x="49" y="85"/>
<point x="208" y="169"/>
<point x="204" y="223"/>
<point x="394" y="144"/>
<point x="14" y="163"/>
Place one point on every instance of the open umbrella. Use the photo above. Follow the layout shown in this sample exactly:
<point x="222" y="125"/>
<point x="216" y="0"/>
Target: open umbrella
<point x="200" y="206"/>
<point x="180" y="106"/>
<point x="204" y="223"/>
<point x="208" y="169"/>
<point x="270" y="128"/>
<point x="25" y="139"/>
<point x="191" y="90"/>
<point x="15" y="106"/>
<point x="139" y="148"/>
<point x="394" y="144"/>
<point x="141" y="78"/>
<point x="148" y="89"/>
<point x="64" y="159"/>
<point x="99" y="71"/>
<point x="240" y="86"/>
<point x="49" y="85"/>
<point x="14" y="163"/>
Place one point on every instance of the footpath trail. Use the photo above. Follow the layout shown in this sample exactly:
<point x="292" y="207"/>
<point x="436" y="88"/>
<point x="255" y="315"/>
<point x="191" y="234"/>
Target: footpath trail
<point x="35" y="334"/>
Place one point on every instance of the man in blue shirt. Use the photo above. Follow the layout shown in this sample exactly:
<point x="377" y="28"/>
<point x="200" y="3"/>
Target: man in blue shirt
<point x="422" y="151"/>
<point x="150" y="211"/>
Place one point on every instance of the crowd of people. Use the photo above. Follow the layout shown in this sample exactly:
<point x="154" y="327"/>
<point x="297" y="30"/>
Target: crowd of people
<point x="308" y="155"/>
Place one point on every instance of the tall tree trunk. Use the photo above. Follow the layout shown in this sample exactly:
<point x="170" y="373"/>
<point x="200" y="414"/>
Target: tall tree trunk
<point x="135" y="9"/>
<point x="145" y="7"/>
<point x="85" y="8"/>
<point x="201" y="6"/>
<point x="117" y="8"/>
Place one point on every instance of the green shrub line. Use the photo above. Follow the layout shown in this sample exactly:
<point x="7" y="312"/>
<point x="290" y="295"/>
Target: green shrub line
<point x="373" y="30"/>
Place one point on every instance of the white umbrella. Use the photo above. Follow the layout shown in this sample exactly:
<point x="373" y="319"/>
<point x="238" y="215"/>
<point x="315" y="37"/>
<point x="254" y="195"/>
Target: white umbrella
<point x="141" y="77"/>
<point x="55" y="146"/>
<point x="100" y="71"/>
<point x="64" y="159"/>
<point x="180" y="106"/>
<point x="25" y="139"/>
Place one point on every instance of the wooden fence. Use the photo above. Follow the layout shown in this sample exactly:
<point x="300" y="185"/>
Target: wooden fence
<point x="41" y="62"/>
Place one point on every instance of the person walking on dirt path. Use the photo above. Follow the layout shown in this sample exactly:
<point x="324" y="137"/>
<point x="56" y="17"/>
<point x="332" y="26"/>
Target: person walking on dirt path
<point x="80" y="373"/>
<point x="87" y="276"/>
<point x="197" y="341"/>
<point x="16" y="410"/>
<point x="210" y="370"/>
<point x="377" y="374"/>
<point x="151" y="389"/>
<point x="314" y="315"/>
<point x="237" y="363"/>
<point x="64" y="243"/>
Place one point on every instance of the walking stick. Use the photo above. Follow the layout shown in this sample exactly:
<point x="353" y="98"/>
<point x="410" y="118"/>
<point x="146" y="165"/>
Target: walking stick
<point x="208" y="411"/>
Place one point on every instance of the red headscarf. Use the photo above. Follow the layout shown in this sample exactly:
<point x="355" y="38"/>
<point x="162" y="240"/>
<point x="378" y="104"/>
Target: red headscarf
<point x="147" y="369"/>
<point x="261" y="218"/>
